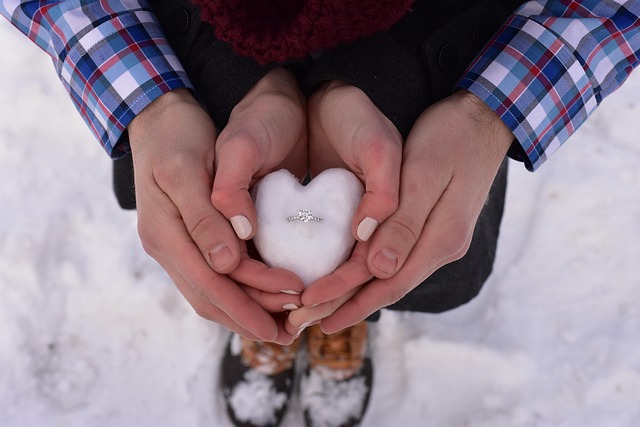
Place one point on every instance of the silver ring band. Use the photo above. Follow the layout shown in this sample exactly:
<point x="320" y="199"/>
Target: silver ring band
<point x="304" y="215"/>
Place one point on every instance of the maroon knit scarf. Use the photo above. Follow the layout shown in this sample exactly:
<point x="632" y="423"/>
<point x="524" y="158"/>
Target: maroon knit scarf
<point x="277" y="30"/>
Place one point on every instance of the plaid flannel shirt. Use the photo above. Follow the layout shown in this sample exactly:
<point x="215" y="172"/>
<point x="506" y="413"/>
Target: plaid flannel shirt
<point x="550" y="66"/>
<point x="111" y="56"/>
<point x="544" y="72"/>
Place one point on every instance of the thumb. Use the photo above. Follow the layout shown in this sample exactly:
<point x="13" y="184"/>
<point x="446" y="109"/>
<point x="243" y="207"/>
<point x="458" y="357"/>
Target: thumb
<point x="237" y="160"/>
<point x="380" y="161"/>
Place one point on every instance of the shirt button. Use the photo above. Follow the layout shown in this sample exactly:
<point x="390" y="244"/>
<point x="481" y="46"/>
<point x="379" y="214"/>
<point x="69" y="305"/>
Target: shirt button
<point x="448" y="57"/>
<point x="181" y="21"/>
<point x="482" y="31"/>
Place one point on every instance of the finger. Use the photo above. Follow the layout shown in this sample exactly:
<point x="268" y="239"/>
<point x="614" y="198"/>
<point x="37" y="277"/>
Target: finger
<point x="421" y="189"/>
<point x="225" y="294"/>
<point x="200" y="305"/>
<point x="442" y="241"/>
<point x="322" y="154"/>
<point x="380" y="164"/>
<point x="273" y="280"/>
<point x="236" y="164"/>
<point x="210" y="312"/>
<point x="348" y="130"/>
<point x="305" y="316"/>
<point x="218" y="290"/>
<point x="187" y="186"/>
<point x="273" y="303"/>
<point x="350" y="275"/>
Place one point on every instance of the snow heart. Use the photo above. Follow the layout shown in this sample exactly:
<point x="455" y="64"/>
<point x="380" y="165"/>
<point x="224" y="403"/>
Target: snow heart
<point x="306" y="229"/>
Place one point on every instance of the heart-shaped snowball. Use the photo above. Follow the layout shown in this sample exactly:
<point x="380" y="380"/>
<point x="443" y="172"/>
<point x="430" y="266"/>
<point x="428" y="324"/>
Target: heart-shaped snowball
<point x="306" y="229"/>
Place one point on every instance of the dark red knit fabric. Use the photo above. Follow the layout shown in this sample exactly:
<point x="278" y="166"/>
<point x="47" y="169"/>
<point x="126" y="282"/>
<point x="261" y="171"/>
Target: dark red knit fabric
<point x="277" y="30"/>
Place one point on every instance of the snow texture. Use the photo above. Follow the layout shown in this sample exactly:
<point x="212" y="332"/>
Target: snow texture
<point x="332" y="403"/>
<point x="255" y="400"/>
<point x="94" y="333"/>
<point x="311" y="249"/>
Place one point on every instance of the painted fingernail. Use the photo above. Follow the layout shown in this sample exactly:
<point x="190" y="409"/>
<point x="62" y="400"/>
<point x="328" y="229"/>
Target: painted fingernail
<point x="290" y="292"/>
<point x="310" y="323"/>
<point x="386" y="261"/>
<point x="219" y="256"/>
<point x="241" y="226"/>
<point x="366" y="228"/>
<point x="290" y="307"/>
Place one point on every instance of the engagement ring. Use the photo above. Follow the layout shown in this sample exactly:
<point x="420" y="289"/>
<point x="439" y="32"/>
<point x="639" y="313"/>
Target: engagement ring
<point x="304" y="215"/>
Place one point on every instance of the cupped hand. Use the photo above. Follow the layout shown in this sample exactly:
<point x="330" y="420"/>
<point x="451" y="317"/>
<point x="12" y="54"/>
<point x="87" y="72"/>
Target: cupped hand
<point x="173" y="146"/>
<point x="267" y="131"/>
<point x="347" y="130"/>
<point x="450" y="160"/>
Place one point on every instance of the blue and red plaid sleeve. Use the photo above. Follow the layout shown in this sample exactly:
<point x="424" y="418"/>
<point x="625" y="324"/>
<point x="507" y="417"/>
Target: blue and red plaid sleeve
<point x="550" y="66"/>
<point x="111" y="56"/>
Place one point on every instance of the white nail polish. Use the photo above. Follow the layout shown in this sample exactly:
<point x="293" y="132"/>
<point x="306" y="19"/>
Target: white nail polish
<point x="290" y="307"/>
<point x="307" y="324"/>
<point x="241" y="226"/>
<point x="366" y="228"/>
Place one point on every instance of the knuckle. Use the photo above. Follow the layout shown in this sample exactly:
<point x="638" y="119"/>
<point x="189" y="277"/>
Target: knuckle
<point x="149" y="239"/>
<point x="396" y="295"/>
<point x="456" y="240"/>
<point x="382" y="149"/>
<point x="221" y="197"/>
<point x="202" y="312"/>
<point x="167" y="172"/>
<point x="388" y="200"/>
<point x="404" y="226"/>
<point x="198" y="222"/>
<point x="393" y="295"/>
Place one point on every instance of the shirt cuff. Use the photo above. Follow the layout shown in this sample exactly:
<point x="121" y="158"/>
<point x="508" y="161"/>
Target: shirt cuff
<point x="115" y="70"/>
<point x="534" y="82"/>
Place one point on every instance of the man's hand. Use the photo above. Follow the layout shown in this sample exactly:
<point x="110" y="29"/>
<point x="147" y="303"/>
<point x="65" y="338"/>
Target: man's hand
<point x="174" y="150"/>
<point x="450" y="160"/>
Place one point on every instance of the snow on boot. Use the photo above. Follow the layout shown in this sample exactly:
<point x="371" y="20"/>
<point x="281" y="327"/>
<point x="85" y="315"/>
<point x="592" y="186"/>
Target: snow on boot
<point x="257" y="380"/>
<point x="335" y="389"/>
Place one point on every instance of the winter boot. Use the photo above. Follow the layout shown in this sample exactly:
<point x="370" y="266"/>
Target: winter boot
<point x="335" y="389"/>
<point x="257" y="380"/>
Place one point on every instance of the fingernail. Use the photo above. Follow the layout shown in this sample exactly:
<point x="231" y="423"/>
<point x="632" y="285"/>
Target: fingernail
<point x="310" y="323"/>
<point x="304" y="326"/>
<point x="290" y="292"/>
<point x="386" y="261"/>
<point x="290" y="307"/>
<point x="241" y="226"/>
<point x="366" y="228"/>
<point x="219" y="256"/>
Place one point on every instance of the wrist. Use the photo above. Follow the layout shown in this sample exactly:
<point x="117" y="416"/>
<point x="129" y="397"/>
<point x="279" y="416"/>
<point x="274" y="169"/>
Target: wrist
<point x="488" y="120"/>
<point x="157" y="109"/>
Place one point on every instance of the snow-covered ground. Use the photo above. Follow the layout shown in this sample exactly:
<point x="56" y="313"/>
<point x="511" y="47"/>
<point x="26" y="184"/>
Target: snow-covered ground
<point x="93" y="333"/>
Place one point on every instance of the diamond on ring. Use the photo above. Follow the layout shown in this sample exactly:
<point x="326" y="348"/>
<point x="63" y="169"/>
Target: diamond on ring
<point x="304" y="215"/>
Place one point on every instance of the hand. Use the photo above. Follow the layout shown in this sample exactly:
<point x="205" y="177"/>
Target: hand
<point x="450" y="160"/>
<point x="267" y="130"/>
<point x="173" y="149"/>
<point x="347" y="130"/>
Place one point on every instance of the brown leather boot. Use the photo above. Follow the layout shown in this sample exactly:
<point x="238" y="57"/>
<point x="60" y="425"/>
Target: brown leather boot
<point x="335" y="389"/>
<point x="257" y="380"/>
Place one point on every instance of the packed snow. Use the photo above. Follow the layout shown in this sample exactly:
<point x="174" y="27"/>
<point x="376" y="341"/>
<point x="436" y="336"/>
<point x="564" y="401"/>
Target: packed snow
<point x="94" y="334"/>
